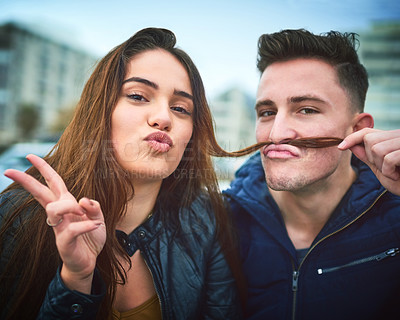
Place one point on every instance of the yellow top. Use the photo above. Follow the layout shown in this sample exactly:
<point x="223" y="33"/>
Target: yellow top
<point x="150" y="310"/>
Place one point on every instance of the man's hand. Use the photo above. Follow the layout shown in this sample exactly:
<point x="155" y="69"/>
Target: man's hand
<point x="380" y="150"/>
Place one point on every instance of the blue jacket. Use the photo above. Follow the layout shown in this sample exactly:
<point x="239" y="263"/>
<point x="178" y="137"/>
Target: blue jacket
<point x="351" y="270"/>
<point x="190" y="273"/>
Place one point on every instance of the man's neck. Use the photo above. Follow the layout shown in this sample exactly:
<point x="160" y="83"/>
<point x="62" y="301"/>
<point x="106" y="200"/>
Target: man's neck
<point x="306" y="211"/>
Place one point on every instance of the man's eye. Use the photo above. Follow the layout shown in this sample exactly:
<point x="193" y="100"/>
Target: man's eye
<point x="136" y="97"/>
<point x="266" y="113"/>
<point x="308" y="111"/>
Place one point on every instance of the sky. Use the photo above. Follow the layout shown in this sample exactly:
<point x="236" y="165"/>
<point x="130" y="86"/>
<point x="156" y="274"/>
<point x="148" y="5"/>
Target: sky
<point x="220" y="36"/>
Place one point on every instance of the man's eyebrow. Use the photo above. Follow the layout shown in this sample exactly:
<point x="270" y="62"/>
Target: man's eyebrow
<point x="306" y="98"/>
<point x="183" y="94"/>
<point x="262" y="103"/>
<point x="141" y="80"/>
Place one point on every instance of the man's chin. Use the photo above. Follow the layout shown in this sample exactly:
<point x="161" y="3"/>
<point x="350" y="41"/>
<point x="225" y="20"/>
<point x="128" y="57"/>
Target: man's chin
<point x="285" y="182"/>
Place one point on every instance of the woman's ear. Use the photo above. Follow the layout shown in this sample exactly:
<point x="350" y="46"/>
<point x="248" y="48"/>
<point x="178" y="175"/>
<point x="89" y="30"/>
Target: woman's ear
<point x="362" y="120"/>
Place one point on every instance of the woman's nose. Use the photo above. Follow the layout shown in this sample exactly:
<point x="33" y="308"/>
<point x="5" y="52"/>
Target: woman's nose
<point x="160" y="118"/>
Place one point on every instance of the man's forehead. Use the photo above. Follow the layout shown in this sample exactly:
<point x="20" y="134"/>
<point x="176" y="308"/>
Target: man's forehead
<point x="294" y="78"/>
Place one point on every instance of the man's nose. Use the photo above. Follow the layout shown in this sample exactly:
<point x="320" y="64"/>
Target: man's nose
<point x="282" y="129"/>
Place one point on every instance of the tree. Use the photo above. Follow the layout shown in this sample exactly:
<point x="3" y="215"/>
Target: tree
<point x="27" y="119"/>
<point x="63" y="118"/>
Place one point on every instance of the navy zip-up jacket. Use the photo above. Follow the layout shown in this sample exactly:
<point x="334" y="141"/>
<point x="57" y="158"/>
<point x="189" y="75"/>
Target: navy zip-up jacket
<point x="351" y="270"/>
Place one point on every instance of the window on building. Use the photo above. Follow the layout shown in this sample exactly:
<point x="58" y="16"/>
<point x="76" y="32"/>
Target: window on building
<point x="44" y="62"/>
<point x="42" y="88"/>
<point x="3" y="76"/>
<point x="2" y="115"/>
<point x="62" y="70"/>
<point x="61" y="94"/>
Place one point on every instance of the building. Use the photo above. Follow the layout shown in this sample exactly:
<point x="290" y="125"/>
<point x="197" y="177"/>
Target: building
<point x="39" y="71"/>
<point x="380" y="54"/>
<point x="234" y="117"/>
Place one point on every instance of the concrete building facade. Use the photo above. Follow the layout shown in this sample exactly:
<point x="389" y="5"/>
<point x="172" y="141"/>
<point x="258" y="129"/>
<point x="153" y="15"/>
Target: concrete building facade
<point x="380" y="54"/>
<point x="234" y="117"/>
<point x="39" y="71"/>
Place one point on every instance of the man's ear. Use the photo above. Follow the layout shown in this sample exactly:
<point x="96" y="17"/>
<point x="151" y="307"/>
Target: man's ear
<point x="362" y="120"/>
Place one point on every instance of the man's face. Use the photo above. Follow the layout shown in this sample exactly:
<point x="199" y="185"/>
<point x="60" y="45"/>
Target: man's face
<point x="296" y="99"/>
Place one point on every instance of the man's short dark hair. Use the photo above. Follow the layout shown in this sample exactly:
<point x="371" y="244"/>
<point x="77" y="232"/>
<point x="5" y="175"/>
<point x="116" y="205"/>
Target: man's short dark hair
<point x="337" y="49"/>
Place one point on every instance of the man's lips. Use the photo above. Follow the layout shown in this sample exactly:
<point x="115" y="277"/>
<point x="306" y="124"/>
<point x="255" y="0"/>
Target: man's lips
<point x="280" y="151"/>
<point x="159" y="141"/>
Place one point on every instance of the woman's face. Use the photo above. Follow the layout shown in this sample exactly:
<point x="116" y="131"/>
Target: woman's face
<point x="152" y="121"/>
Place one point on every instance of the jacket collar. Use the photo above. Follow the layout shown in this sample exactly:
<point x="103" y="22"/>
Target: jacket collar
<point x="361" y="196"/>
<point x="143" y="234"/>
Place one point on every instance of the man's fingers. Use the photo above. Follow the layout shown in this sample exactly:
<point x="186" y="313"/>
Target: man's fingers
<point x="378" y="136"/>
<point x="354" y="139"/>
<point x="375" y="148"/>
<point x="391" y="165"/>
<point x="383" y="151"/>
<point x="369" y="136"/>
<point x="40" y="192"/>
<point x="53" y="180"/>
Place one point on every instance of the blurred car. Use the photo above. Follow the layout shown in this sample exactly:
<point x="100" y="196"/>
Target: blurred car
<point x="14" y="158"/>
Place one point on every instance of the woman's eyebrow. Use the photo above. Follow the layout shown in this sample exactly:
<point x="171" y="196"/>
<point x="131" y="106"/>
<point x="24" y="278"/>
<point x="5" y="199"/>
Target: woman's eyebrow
<point x="155" y="86"/>
<point x="183" y="94"/>
<point x="141" y="80"/>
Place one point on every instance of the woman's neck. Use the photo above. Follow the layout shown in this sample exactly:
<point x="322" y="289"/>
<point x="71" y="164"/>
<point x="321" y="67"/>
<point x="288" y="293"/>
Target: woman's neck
<point x="140" y="205"/>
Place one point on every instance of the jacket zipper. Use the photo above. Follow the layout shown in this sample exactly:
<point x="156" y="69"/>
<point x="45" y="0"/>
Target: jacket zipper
<point x="296" y="273"/>
<point x="378" y="257"/>
<point x="157" y="289"/>
<point x="295" y="279"/>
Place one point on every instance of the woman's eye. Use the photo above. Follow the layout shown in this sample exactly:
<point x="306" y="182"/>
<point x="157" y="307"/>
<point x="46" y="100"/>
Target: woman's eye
<point x="180" y="110"/>
<point x="137" y="97"/>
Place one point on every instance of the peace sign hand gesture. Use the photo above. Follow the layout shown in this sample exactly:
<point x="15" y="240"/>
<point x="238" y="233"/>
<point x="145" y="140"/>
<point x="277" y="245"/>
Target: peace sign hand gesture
<point x="78" y="226"/>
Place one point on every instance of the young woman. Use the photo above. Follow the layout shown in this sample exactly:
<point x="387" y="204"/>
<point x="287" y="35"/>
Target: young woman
<point x="123" y="219"/>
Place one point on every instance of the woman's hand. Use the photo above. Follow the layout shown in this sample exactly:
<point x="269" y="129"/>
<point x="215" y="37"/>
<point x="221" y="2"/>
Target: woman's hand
<point x="380" y="150"/>
<point x="78" y="226"/>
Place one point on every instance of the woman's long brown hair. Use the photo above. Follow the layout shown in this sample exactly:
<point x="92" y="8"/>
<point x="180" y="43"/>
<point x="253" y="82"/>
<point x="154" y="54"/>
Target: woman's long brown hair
<point x="309" y="142"/>
<point x="83" y="157"/>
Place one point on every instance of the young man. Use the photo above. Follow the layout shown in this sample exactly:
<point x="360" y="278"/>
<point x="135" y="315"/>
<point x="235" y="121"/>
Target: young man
<point x="319" y="233"/>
